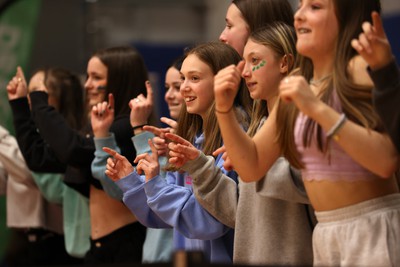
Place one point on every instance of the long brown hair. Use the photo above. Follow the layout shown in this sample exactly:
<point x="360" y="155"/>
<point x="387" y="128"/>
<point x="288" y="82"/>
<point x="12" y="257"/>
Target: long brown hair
<point x="355" y="100"/>
<point x="260" y="13"/>
<point x="67" y="89"/>
<point x="217" y="56"/>
<point x="126" y="75"/>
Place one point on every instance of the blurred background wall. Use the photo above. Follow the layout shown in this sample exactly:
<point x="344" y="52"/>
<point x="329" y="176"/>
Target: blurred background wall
<point x="36" y="33"/>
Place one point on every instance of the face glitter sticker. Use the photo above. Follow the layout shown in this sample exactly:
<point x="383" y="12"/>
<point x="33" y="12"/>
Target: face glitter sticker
<point x="262" y="64"/>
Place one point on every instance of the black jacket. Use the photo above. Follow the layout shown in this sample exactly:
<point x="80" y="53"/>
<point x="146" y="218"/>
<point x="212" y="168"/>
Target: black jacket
<point x="50" y="145"/>
<point x="387" y="99"/>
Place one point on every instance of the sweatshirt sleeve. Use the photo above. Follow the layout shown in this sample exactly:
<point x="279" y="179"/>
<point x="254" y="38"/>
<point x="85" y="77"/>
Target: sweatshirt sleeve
<point x="37" y="153"/>
<point x="12" y="159"/>
<point x="68" y="144"/>
<point x="178" y="207"/>
<point x="140" y="142"/>
<point x="3" y="180"/>
<point x="283" y="182"/>
<point x="99" y="163"/>
<point x="386" y="98"/>
<point x="135" y="199"/>
<point x="215" y="191"/>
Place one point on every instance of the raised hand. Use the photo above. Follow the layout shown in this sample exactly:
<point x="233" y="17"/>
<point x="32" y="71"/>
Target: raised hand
<point x="173" y="125"/>
<point x="297" y="90"/>
<point x="226" y="85"/>
<point x="227" y="161"/>
<point x="180" y="150"/>
<point x="117" y="165"/>
<point x="102" y="116"/>
<point x="148" y="163"/>
<point x="372" y="44"/>
<point x="159" y="140"/>
<point x="141" y="107"/>
<point x="17" y="86"/>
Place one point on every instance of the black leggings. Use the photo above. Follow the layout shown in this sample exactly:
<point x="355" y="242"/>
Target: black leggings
<point x="124" y="245"/>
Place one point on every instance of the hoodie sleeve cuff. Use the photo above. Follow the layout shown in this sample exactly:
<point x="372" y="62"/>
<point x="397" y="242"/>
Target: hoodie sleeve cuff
<point x="108" y="141"/>
<point x="385" y="77"/>
<point x="194" y="165"/>
<point x="131" y="182"/>
<point x="140" y="142"/>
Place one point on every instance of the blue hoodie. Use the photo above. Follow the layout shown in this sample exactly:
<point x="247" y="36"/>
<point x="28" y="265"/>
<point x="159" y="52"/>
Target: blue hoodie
<point x="170" y="203"/>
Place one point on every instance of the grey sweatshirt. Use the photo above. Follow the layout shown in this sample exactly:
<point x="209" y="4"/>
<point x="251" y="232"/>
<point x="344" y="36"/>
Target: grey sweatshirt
<point x="272" y="220"/>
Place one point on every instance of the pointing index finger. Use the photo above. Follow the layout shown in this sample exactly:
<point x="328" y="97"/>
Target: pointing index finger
<point x="149" y="92"/>
<point x="378" y="25"/>
<point x="152" y="129"/>
<point x="176" y="138"/>
<point x="111" y="101"/>
<point x="154" y="151"/>
<point x="20" y="73"/>
<point x="113" y="153"/>
<point x="170" y="122"/>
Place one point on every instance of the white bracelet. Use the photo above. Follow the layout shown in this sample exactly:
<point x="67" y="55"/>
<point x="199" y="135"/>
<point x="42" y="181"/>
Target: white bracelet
<point x="335" y="128"/>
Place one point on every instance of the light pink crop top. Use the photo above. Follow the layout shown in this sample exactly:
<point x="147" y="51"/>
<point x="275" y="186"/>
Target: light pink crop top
<point x="318" y="166"/>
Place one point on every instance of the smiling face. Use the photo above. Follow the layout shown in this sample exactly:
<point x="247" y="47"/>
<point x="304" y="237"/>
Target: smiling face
<point x="236" y="29"/>
<point x="263" y="71"/>
<point x="317" y="28"/>
<point x="96" y="79"/>
<point x="197" y="85"/>
<point x="172" y="95"/>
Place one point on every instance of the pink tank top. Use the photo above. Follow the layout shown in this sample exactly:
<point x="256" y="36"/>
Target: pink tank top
<point x="334" y="165"/>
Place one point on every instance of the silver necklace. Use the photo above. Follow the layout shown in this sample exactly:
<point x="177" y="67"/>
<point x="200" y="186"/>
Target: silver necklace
<point x="319" y="81"/>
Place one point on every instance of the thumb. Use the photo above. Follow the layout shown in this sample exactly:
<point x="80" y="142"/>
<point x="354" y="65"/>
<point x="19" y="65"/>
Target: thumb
<point x="240" y="66"/>
<point x="218" y="151"/>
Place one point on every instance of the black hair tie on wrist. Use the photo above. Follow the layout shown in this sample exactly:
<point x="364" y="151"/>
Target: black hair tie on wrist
<point x="138" y="126"/>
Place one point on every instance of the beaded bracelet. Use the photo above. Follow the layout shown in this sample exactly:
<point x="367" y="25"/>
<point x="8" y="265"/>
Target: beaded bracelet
<point x="332" y="133"/>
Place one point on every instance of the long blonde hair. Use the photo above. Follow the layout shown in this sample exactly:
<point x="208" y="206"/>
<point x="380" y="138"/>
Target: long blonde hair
<point x="355" y="100"/>
<point x="281" y="39"/>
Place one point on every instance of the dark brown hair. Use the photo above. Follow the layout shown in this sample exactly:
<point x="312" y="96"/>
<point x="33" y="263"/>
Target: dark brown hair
<point x="68" y="91"/>
<point x="259" y="13"/>
<point x="126" y="77"/>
